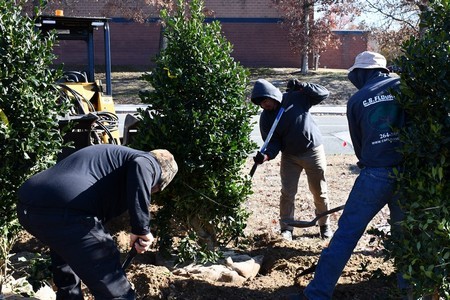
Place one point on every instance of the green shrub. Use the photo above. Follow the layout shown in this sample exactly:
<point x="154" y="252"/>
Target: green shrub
<point x="199" y="113"/>
<point x="29" y="136"/>
<point x="423" y="253"/>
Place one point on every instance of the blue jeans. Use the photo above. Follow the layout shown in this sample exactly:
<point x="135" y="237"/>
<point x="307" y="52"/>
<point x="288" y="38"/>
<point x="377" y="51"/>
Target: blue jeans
<point x="373" y="189"/>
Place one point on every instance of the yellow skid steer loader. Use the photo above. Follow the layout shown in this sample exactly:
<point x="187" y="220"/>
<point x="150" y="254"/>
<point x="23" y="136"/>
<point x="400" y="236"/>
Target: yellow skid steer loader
<point x="93" y="119"/>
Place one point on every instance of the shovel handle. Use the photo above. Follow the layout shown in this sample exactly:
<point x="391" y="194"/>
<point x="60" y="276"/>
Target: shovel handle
<point x="130" y="255"/>
<point x="252" y="171"/>
<point x="333" y="210"/>
<point x="269" y="136"/>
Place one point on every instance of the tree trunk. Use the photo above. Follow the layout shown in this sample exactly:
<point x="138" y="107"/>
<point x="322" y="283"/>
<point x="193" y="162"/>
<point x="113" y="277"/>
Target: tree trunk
<point x="162" y="39"/>
<point x="316" y="57"/>
<point x="305" y="67"/>
<point x="306" y="22"/>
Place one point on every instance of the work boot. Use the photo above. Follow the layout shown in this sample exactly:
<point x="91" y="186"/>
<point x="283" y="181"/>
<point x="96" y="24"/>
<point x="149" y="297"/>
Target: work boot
<point x="287" y="235"/>
<point x="325" y="232"/>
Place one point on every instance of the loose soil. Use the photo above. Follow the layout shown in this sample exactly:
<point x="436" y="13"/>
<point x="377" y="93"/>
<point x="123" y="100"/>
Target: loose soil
<point x="366" y="276"/>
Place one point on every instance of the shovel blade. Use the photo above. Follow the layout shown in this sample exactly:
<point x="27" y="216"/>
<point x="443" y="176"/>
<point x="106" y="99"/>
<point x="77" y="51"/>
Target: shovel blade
<point x="303" y="224"/>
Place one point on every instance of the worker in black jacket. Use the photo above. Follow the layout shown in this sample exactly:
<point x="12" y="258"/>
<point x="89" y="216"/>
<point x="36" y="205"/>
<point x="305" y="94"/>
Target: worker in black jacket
<point x="67" y="205"/>
<point x="298" y="138"/>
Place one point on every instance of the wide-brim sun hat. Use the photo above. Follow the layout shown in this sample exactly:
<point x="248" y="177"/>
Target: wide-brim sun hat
<point x="369" y="60"/>
<point x="169" y="167"/>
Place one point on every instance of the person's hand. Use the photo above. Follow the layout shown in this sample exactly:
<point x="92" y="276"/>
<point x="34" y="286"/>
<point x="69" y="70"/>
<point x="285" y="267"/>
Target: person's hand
<point x="294" y="85"/>
<point x="142" y="243"/>
<point x="259" y="158"/>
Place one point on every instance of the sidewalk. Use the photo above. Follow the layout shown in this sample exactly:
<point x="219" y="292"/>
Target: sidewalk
<point x="321" y="109"/>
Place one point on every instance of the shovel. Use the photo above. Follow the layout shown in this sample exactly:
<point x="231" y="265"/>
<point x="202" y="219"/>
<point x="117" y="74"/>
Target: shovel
<point x="130" y="255"/>
<point x="303" y="224"/>
<point x="310" y="270"/>
<point x="269" y="136"/>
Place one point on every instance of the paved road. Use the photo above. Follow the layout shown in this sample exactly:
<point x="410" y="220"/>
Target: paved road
<point x="334" y="128"/>
<point x="331" y="120"/>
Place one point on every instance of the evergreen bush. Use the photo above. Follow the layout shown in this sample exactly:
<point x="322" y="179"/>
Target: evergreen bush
<point x="423" y="252"/>
<point x="198" y="111"/>
<point x="29" y="136"/>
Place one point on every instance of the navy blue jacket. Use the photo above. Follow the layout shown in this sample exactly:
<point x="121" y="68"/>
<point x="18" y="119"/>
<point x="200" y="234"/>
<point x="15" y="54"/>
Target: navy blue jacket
<point x="100" y="180"/>
<point x="373" y="115"/>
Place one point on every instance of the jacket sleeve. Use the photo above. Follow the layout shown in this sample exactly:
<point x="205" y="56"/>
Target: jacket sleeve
<point x="315" y="93"/>
<point x="354" y="129"/>
<point x="274" y="146"/>
<point x="140" y="179"/>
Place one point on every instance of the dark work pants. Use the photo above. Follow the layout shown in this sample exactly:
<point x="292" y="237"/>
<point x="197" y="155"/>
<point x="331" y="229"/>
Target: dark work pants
<point x="80" y="249"/>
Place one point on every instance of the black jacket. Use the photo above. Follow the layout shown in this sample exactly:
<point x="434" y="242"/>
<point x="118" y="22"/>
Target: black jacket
<point x="99" y="180"/>
<point x="296" y="132"/>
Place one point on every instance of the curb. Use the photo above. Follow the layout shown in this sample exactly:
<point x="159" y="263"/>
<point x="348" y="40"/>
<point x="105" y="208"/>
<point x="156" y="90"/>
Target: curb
<point x="318" y="109"/>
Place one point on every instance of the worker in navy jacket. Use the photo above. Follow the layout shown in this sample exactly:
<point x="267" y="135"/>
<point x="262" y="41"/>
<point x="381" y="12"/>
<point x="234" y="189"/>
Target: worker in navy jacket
<point x="67" y="205"/>
<point x="374" y="119"/>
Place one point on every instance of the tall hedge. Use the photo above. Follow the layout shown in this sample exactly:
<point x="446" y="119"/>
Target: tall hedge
<point x="423" y="253"/>
<point x="198" y="111"/>
<point x="29" y="136"/>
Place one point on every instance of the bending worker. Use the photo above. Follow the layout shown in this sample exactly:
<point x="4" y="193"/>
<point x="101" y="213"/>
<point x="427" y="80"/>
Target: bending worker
<point x="67" y="205"/>
<point x="299" y="139"/>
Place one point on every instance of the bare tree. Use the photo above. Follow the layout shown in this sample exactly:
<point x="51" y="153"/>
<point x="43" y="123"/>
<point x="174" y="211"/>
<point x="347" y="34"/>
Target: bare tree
<point x="398" y="22"/>
<point x="396" y="12"/>
<point x="310" y="24"/>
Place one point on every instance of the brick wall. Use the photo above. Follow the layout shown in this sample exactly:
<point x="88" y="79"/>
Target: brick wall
<point x="134" y="44"/>
<point x="242" y="8"/>
<point x="250" y="25"/>
<point x="260" y="45"/>
<point x="352" y="43"/>
<point x="221" y="8"/>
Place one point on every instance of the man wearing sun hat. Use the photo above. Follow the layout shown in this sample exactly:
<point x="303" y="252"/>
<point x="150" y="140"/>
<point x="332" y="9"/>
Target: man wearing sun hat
<point x="67" y="205"/>
<point x="374" y="118"/>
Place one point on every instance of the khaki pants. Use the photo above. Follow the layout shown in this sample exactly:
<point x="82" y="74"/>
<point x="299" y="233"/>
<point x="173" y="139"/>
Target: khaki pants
<point x="314" y="164"/>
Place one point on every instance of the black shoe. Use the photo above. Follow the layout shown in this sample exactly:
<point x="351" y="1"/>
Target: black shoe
<point x="325" y="232"/>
